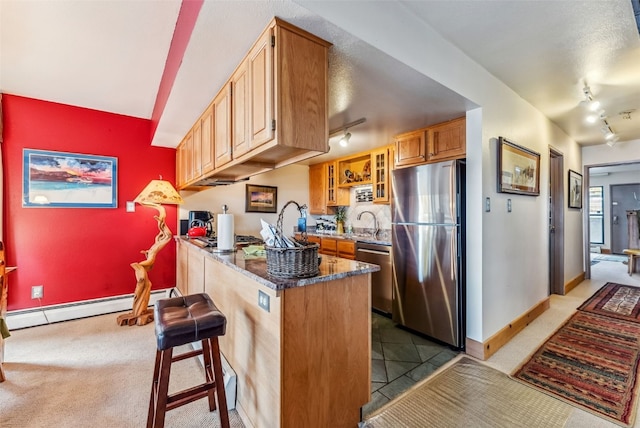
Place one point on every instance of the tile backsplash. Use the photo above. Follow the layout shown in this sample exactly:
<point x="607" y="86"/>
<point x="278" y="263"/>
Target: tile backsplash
<point x="381" y="211"/>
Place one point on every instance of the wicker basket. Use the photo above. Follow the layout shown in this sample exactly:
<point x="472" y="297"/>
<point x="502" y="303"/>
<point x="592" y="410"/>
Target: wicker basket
<point x="296" y="262"/>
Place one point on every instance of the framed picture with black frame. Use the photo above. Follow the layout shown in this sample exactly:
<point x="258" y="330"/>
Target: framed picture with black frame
<point x="575" y="190"/>
<point x="69" y="180"/>
<point x="518" y="169"/>
<point x="261" y="199"/>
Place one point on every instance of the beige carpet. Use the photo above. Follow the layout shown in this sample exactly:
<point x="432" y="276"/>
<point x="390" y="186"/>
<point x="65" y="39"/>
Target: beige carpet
<point x="91" y="372"/>
<point x="470" y="394"/>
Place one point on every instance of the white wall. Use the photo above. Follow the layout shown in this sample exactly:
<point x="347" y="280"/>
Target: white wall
<point x="292" y="183"/>
<point x="507" y="253"/>
<point x="602" y="154"/>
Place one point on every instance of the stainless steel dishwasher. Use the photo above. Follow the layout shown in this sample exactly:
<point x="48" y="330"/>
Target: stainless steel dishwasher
<point x="381" y="285"/>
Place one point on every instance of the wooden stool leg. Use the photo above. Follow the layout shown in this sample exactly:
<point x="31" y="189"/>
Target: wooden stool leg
<point x="208" y="371"/>
<point x="162" y="389"/>
<point x="217" y="369"/>
<point x="154" y="390"/>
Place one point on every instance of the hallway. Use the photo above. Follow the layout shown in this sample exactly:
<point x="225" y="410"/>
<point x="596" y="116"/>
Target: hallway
<point x="510" y="356"/>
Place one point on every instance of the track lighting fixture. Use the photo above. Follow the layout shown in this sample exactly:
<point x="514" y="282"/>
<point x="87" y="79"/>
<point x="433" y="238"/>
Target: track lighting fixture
<point x="598" y="114"/>
<point x="344" y="141"/>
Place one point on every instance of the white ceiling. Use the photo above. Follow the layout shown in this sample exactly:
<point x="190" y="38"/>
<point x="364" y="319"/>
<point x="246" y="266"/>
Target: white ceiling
<point x="110" y="56"/>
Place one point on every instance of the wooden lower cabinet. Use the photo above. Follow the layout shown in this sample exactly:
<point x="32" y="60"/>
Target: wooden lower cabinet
<point x="305" y="362"/>
<point x="329" y="246"/>
<point x="182" y="267"/>
<point x="195" y="270"/>
<point x="346" y="249"/>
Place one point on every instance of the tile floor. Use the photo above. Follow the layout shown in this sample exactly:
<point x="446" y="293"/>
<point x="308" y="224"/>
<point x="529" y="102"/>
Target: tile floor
<point x="399" y="360"/>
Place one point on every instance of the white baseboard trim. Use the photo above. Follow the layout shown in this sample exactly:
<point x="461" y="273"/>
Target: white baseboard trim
<point x="55" y="313"/>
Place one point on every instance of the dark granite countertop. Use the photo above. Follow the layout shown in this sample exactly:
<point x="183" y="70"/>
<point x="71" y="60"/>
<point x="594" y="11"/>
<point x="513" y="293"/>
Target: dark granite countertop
<point x="381" y="239"/>
<point x="255" y="267"/>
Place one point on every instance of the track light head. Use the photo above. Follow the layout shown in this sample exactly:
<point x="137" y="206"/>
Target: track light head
<point x="344" y="141"/>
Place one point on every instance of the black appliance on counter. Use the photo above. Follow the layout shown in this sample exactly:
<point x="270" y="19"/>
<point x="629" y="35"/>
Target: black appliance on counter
<point x="198" y="218"/>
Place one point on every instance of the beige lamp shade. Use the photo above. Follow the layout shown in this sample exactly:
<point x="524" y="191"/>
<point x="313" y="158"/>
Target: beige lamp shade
<point x="159" y="192"/>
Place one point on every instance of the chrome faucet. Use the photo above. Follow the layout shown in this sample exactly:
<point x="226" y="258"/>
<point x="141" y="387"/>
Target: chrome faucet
<point x="375" y="222"/>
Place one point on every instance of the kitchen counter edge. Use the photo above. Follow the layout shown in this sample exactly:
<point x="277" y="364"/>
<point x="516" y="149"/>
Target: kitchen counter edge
<point x="255" y="267"/>
<point x="351" y="237"/>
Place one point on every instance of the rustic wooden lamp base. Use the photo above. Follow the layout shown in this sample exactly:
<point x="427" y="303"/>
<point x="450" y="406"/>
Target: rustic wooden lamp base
<point x="141" y="314"/>
<point x="132" y="319"/>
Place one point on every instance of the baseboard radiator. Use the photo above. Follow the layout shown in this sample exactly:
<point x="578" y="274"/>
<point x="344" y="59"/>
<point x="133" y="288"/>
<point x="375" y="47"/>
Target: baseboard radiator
<point x="57" y="313"/>
<point x="70" y="311"/>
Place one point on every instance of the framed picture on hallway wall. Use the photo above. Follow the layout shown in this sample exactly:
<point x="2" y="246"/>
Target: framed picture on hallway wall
<point x="575" y="189"/>
<point x="68" y="180"/>
<point x="518" y="169"/>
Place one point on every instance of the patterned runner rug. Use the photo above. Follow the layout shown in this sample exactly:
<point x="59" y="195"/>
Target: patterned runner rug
<point x="591" y="362"/>
<point x="615" y="300"/>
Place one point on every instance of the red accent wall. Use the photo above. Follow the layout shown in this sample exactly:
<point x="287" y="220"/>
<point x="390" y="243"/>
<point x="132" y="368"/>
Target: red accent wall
<point x="81" y="253"/>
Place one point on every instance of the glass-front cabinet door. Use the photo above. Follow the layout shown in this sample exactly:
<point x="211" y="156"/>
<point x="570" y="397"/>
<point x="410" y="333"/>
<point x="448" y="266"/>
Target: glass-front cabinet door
<point x="331" y="184"/>
<point x="381" y="186"/>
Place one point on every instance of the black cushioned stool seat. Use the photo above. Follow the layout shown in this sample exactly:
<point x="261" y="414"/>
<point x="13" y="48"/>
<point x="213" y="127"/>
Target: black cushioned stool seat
<point x="179" y="321"/>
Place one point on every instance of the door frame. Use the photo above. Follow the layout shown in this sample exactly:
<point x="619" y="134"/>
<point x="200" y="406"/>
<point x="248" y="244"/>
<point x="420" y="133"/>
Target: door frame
<point x="586" y="170"/>
<point x="556" y="218"/>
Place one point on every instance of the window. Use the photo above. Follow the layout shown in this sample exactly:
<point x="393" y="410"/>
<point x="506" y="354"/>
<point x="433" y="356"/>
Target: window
<point x="596" y="215"/>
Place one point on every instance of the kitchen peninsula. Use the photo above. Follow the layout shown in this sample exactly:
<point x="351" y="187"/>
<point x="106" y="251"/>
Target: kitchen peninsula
<point x="301" y="348"/>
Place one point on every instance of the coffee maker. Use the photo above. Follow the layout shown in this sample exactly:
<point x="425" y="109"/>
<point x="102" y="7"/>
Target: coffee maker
<point x="201" y="219"/>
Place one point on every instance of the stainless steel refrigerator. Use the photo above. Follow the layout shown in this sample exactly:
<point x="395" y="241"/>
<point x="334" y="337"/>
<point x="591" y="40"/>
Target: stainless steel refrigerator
<point x="428" y="253"/>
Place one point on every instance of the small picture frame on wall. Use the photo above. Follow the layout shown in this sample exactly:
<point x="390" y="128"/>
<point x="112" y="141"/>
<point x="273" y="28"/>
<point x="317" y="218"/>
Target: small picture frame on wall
<point x="261" y="199"/>
<point x="518" y="169"/>
<point x="575" y="190"/>
<point x="69" y="180"/>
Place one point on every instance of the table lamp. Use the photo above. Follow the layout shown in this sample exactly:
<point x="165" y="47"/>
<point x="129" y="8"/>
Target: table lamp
<point x="156" y="193"/>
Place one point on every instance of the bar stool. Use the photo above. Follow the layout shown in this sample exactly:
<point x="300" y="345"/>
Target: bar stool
<point x="179" y="321"/>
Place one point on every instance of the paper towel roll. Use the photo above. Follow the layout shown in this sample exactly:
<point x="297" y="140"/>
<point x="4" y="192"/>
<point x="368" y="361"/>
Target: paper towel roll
<point x="225" y="236"/>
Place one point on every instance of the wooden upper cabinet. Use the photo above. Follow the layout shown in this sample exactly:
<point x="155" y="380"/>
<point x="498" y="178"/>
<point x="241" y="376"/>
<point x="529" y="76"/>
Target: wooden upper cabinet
<point x="222" y="126"/>
<point x="182" y="168"/>
<point x="302" y="81"/>
<point x="447" y="140"/>
<point x="443" y="141"/>
<point x="380" y="160"/>
<point x="188" y="159"/>
<point x="240" y="109"/>
<point x="197" y="149"/>
<point x="273" y="110"/>
<point x="207" y="143"/>
<point x="411" y="148"/>
<point x="260" y="63"/>
<point x="317" y="194"/>
<point x="335" y="196"/>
